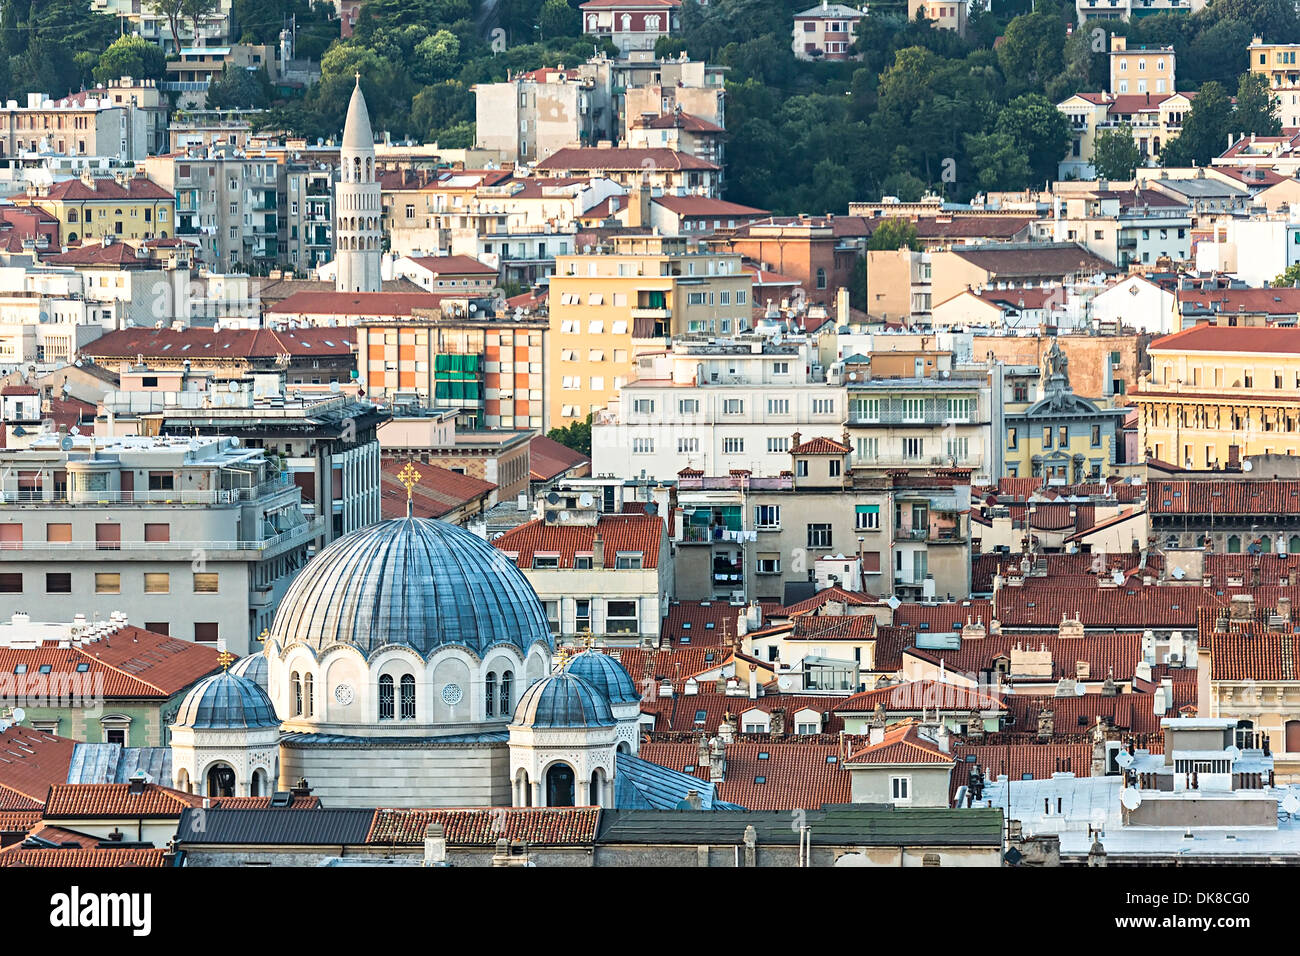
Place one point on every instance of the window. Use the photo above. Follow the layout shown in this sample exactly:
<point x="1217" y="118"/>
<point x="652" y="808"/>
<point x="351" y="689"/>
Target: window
<point x="768" y="563"/>
<point x="108" y="537"/>
<point x="867" y="517"/>
<point x="900" y="789"/>
<point x="821" y="278"/>
<point x="644" y="406"/>
<point x="206" y="632"/>
<point x="386" y="697"/>
<point x="913" y="448"/>
<point x="733" y="406"/>
<point x="867" y="448"/>
<point x="490" y="693"/>
<point x="507" y="682"/>
<point x="688" y="406"/>
<point x="801" y="468"/>
<point x="823" y="406"/>
<point x="819" y="535"/>
<point x="58" y="532"/>
<point x="1047" y="436"/>
<point x="767" y="516"/>
<point x="408" y="697"/>
<point x="733" y="446"/>
<point x="643" y="446"/>
<point x="108" y="582"/>
<point x="780" y="368"/>
<point x="1013" y="439"/>
<point x="545" y="562"/>
<point x="157" y="582"/>
<point x="206" y="582"/>
<point x="295" y="682"/>
<point x="1063" y="437"/>
<point x="621" y="617"/>
<point x="157" y="532"/>
<point x="865" y="409"/>
<point x="1096" y="436"/>
<point x="628" y="561"/>
<point x="582" y="616"/>
<point x="834" y="467"/>
<point x="913" y="409"/>
<point x="687" y="445"/>
<point x="778" y="406"/>
<point x="58" y="582"/>
<point x="11" y="583"/>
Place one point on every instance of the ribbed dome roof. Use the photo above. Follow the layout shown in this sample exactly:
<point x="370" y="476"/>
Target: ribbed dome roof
<point x="414" y="582"/>
<point x="606" y="675"/>
<point x="563" y="700"/>
<point x="253" y="667"/>
<point x="226" y="701"/>
<point x="356" y="128"/>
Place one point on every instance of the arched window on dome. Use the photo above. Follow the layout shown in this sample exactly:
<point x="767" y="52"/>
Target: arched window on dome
<point x="295" y="685"/>
<point x="386" y="697"/>
<point x="507" y="681"/>
<point x="307" y="695"/>
<point x="490" y="694"/>
<point x="408" y="697"/>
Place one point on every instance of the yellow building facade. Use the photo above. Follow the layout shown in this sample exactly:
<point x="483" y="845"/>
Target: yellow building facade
<point x="1279" y="63"/>
<point x="1216" y="393"/>
<point x="630" y="297"/>
<point x="120" y="207"/>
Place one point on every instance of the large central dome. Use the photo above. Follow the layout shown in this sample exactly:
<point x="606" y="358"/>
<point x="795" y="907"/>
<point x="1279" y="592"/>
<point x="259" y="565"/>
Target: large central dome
<point x="413" y="582"/>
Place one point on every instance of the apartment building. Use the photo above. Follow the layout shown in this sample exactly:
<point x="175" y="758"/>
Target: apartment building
<point x="816" y="250"/>
<point x="942" y="14"/>
<point x="531" y="115"/>
<point x="1279" y="64"/>
<point x="718" y="406"/>
<point x="1123" y="226"/>
<point x="1154" y="118"/>
<point x="1256" y="251"/>
<point x="148" y="22"/>
<point x="122" y="207"/>
<point x="826" y="32"/>
<point x="631" y="24"/>
<point x="123" y="122"/>
<point x="652" y="87"/>
<point x="490" y="371"/>
<point x="1218" y="394"/>
<point x="1126" y="10"/>
<point x="197" y="538"/>
<point x="306" y="216"/>
<point x="228" y="202"/>
<point x="1142" y="68"/>
<point x="194" y="68"/>
<point x="663" y="171"/>
<point x="627" y="297"/>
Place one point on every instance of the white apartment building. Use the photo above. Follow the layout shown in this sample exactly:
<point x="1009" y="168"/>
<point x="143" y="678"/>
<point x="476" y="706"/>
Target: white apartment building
<point x="214" y="26"/>
<point x="1256" y="250"/>
<point x="1123" y="226"/>
<point x="196" y="538"/>
<point x="718" y="406"/>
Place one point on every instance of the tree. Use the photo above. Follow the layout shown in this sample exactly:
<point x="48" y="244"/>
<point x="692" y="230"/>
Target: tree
<point x="1040" y="130"/>
<point x="1115" y="154"/>
<point x="1256" y="111"/>
<point x="1288" y="279"/>
<point x="575" y="435"/>
<point x="558" y="19"/>
<point x="436" y="56"/>
<point x="1205" y="129"/>
<point x="239" y="88"/>
<point x="196" y="11"/>
<point x="174" y="11"/>
<point x="894" y="234"/>
<point x="1031" y="50"/>
<point x="997" y="161"/>
<point x="131" y="56"/>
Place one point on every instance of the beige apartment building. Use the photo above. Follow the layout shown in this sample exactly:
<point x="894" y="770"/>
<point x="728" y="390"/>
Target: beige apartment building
<point x="620" y="300"/>
<point x="1279" y="63"/>
<point x="1140" y="69"/>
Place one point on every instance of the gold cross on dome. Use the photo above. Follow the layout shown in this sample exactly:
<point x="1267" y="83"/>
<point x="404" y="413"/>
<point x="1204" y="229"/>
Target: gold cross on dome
<point x="225" y="659"/>
<point x="265" y="635"/>
<point x="588" y="641"/>
<point x="562" y="656"/>
<point x="409" y="477"/>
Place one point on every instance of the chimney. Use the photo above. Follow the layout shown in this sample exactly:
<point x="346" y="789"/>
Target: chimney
<point x="778" y="721"/>
<point x="875" y="734"/>
<point x="435" y="845"/>
<point x="1070" y="626"/>
<point x="702" y="755"/>
<point x="1242" y="607"/>
<point x="598" y="552"/>
<point x="842" y="306"/>
<point x="753" y="684"/>
<point x="135" y="785"/>
<point x="301" y="789"/>
<point x="973" y="631"/>
<point x="751" y="840"/>
<point x="1284" y="608"/>
<point x="1046" y="725"/>
<point x="717" y="760"/>
<point x="693" y="800"/>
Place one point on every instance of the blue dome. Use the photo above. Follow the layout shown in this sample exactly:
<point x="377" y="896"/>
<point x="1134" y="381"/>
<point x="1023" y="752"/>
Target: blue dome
<point x="413" y="582"/>
<point x="253" y="667"/>
<point x="226" y="701"/>
<point x="606" y="675"/>
<point x="563" y="700"/>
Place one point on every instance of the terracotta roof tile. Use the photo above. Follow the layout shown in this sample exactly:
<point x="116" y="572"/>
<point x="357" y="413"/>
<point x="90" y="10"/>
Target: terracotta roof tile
<point x="620" y="158"/>
<point x="365" y="304"/>
<point x="918" y="695"/>
<point x="1116" y="654"/>
<point x="30" y="763"/>
<point x="820" y="446"/>
<point x="548" y="459"/>
<point x="707" y="623"/>
<point x="539" y="826"/>
<point x="77" y="800"/>
<point x="628" y="533"/>
<point x="791" y="776"/>
<point x="1213" y="496"/>
<point x="126" y="344"/>
<point x="901" y="744"/>
<point x="704" y="712"/>
<point x="438" y="491"/>
<point x="18" y="855"/>
<point x="824" y="596"/>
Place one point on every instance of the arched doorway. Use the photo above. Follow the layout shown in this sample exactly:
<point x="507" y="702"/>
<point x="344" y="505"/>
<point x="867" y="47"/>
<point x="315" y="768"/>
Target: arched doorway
<point x="559" y="786"/>
<point x="221" y="781"/>
<point x="257" y="784"/>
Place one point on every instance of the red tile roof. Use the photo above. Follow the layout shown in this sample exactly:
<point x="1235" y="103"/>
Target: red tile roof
<point x="538" y="826"/>
<point x="706" y="710"/>
<point x="1015" y="760"/>
<point x="686" y="121"/>
<point x="18" y="855"/>
<point x="206" y="343"/>
<point x="1078" y="715"/>
<point x="675" y="664"/>
<point x="439" y="491"/>
<point x="707" y="623"/>
<point x="548" y="459"/>
<point x="30" y="763"/>
<point x="118" y="254"/>
<point x="630" y="533"/>
<point x="1280" y="301"/>
<point x="1254" y="656"/>
<point x="1228" y="496"/>
<point x="19" y="821"/>
<point x="363" y="304"/>
<point x="1105" y="654"/>
<point x="825" y="595"/>
<point x="918" y="695"/>
<point x="106" y="189"/>
<point x="621" y="158"/>
<point x="1121" y="607"/>
<point x="703" y="207"/>
<point x="454" y="265"/>
<point x="820" y="446"/>
<point x="1079" y="570"/>
<point x="81" y="800"/>
<point x="1254" y="340"/>
<point x="942" y="618"/>
<point x="901" y="744"/>
<point x="794" y="775"/>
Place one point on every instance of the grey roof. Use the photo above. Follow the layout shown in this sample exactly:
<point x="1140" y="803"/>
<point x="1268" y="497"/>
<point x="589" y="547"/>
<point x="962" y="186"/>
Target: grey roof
<point x="563" y="700"/>
<point x="356" y="128"/>
<point x="226" y="700"/>
<point x="1201" y="188"/>
<point x="606" y="675"/>
<point x="412" y="582"/>
<point x="113" y="763"/>
<point x="833" y="825"/>
<point x="642" y="785"/>
<point x="275" y="827"/>
<point x="368" y="743"/>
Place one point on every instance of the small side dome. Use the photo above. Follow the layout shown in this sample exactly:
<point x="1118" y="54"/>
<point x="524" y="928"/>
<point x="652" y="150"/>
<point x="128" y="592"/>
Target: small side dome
<point x="253" y="667"/>
<point x="606" y="675"/>
<point x="226" y="701"/>
<point x="563" y="700"/>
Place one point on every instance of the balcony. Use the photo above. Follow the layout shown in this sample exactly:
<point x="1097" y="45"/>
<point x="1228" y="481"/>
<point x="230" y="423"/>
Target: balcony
<point x="179" y="550"/>
<point x="62" y="498"/>
<point x="663" y="314"/>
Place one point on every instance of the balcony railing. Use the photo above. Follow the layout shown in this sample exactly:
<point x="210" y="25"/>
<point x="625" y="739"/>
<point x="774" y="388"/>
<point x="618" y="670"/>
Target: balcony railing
<point x="288" y="538"/>
<point x="63" y="498"/>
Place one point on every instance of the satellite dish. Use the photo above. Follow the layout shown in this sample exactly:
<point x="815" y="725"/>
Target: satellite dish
<point x="586" y="500"/>
<point x="1130" y="798"/>
<point x="552" y="516"/>
<point x="1124" y="759"/>
<point x="552" y="499"/>
<point x="4" y="725"/>
<point x="1080" y="689"/>
<point x="893" y="603"/>
<point x="1179" y="574"/>
<point x="1247" y="465"/>
<point x="1117" y="576"/>
<point x="786" y="683"/>
<point x="66" y="443"/>
<point x="1290" y="803"/>
<point x="18" y="715"/>
<point x="334" y="387"/>
<point x="74" y="430"/>
<point x="234" y="441"/>
<point x="234" y="387"/>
